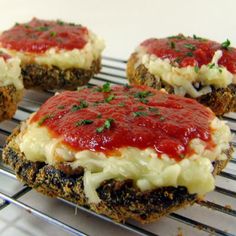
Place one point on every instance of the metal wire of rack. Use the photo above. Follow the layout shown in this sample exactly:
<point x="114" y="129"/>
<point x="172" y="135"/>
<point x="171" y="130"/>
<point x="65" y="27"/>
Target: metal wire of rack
<point x="114" y="72"/>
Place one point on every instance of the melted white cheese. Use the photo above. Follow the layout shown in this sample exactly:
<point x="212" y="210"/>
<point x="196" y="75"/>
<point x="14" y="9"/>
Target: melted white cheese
<point x="144" y="167"/>
<point x="182" y="79"/>
<point x="10" y="73"/>
<point x="78" y="58"/>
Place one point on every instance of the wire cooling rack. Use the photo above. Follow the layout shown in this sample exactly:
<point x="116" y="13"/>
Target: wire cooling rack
<point x="216" y="215"/>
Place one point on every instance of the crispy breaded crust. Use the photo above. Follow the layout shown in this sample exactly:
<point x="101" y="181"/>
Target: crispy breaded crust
<point x="9" y="98"/>
<point x="221" y="100"/>
<point x="45" y="77"/>
<point x="120" y="200"/>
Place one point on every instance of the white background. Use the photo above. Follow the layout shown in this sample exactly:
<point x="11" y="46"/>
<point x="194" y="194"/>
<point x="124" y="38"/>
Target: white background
<point x="123" y="25"/>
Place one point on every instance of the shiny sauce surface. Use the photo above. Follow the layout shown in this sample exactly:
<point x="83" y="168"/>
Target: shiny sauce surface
<point x="188" y="51"/>
<point x="37" y="36"/>
<point x="107" y="118"/>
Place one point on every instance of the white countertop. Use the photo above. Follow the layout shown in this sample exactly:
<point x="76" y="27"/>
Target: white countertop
<point x="123" y="25"/>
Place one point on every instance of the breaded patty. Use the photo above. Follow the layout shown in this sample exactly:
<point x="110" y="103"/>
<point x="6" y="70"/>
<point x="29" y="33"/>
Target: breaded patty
<point x="220" y="100"/>
<point x="9" y="98"/>
<point x="44" y="77"/>
<point x="120" y="200"/>
<point x="123" y="151"/>
<point x="54" y="54"/>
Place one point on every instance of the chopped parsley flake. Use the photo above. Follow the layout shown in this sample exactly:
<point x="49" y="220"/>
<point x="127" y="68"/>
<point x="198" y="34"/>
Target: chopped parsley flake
<point x="110" y="98"/>
<point x="83" y="122"/>
<point x="143" y="95"/>
<point x="44" y="118"/>
<point x="17" y="24"/>
<point x="190" y="46"/>
<point x="140" y="113"/>
<point x="141" y="108"/>
<point x="53" y="34"/>
<point x="225" y="44"/>
<point x="127" y="86"/>
<point x="99" y="116"/>
<point x="42" y="28"/>
<point x="172" y="45"/>
<point x="26" y="26"/>
<point x="83" y="104"/>
<point x="121" y="104"/>
<point x="196" y="69"/>
<point x="179" y="36"/>
<point x="107" y="125"/>
<point x="211" y="65"/>
<point x="198" y="38"/>
<point x="105" y="88"/>
<point x="177" y="59"/>
<point x="189" y="54"/>
<point x="59" y="22"/>
<point x="60" y="107"/>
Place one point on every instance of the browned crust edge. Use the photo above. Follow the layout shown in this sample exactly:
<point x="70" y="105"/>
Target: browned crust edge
<point x="120" y="199"/>
<point x="53" y="77"/>
<point x="221" y="100"/>
<point x="9" y="98"/>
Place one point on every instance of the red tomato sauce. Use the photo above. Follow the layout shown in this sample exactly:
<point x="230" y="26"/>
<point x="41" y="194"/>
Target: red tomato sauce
<point x="37" y="36"/>
<point x="188" y="51"/>
<point x="137" y="116"/>
<point x="4" y="56"/>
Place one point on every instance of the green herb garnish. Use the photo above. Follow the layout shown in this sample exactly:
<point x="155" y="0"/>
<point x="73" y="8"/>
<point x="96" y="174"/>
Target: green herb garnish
<point x="59" y="22"/>
<point x="83" y="122"/>
<point x="60" y="107"/>
<point x="107" y="125"/>
<point x="17" y="24"/>
<point x="196" y="69"/>
<point x="127" y="86"/>
<point x="83" y="104"/>
<point x="189" y="54"/>
<point x="225" y="44"/>
<point x="179" y="36"/>
<point x="198" y="38"/>
<point x="143" y="95"/>
<point x="190" y="46"/>
<point x="105" y="88"/>
<point x="121" y="104"/>
<point x="141" y="108"/>
<point x="110" y="98"/>
<point x="44" y="118"/>
<point x="172" y="45"/>
<point x="53" y="34"/>
<point x="177" y="59"/>
<point x="140" y="113"/>
<point x="211" y="65"/>
<point x="42" y="28"/>
<point x="26" y="26"/>
<point x="99" y="116"/>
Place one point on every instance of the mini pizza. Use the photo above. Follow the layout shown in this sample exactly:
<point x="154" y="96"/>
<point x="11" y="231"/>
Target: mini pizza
<point x="126" y="152"/>
<point x="188" y="66"/>
<point x="54" y="54"/>
<point x="11" y="85"/>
